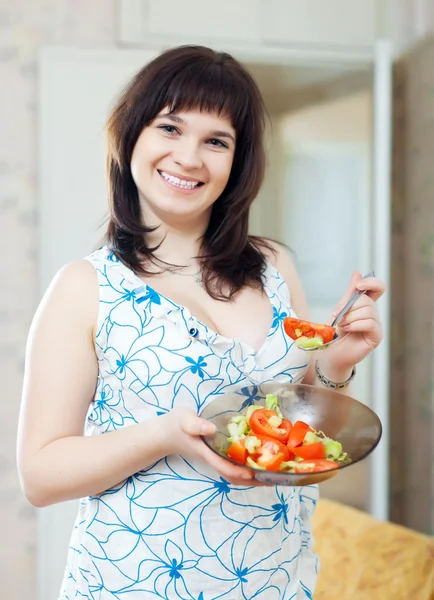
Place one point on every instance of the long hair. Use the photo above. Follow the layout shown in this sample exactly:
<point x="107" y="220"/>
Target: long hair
<point x="192" y="78"/>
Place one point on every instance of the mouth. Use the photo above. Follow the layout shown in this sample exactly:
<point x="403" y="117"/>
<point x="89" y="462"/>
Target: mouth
<point x="182" y="184"/>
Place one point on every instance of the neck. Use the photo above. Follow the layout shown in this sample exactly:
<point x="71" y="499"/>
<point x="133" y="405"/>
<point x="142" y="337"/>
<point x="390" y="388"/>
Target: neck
<point x="177" y="246"/>
<point x="178" y="239"/>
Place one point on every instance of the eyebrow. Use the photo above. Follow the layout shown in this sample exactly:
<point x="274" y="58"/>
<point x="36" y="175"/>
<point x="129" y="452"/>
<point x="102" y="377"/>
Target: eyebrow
<point x="176" y="119"/>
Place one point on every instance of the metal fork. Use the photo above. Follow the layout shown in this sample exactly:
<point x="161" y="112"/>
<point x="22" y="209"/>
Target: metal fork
<point x="354" y="297"/>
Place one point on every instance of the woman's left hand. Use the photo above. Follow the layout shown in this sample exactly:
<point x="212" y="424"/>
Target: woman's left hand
<point x="360" y="330"/>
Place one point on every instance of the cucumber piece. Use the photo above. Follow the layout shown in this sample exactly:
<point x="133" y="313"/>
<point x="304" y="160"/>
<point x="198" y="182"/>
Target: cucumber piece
<point x="251" y="443"/>
<point x="251" y="463"/>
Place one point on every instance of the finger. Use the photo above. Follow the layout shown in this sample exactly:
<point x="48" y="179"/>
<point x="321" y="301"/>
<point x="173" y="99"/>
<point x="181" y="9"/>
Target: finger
<point x="361" y="302"/>
<point x="370" y="326"/>
<point x="355" y="279"/>
<point x="224" y="467"/>
<point x="193" y="425"/>
<point x="360" y="314"/>
<point x="373" y="286"/>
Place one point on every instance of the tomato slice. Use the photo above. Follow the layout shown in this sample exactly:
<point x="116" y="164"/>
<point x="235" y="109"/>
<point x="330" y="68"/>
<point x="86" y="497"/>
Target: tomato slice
<point x="270" y="462"/>
<point x="316" y="450"/>
<point x="273" y="446"/>
<point x="296" y="328"/>
<point x="297" y="433"/>
<point x="271" y="454"/>
<point x="259" y="423"/>
<point x="315" y="465"/>
<point x="237" y="452"/>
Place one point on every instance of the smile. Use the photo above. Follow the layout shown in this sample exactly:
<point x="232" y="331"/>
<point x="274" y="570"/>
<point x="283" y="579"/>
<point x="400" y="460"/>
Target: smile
<point x="184" y="184"/>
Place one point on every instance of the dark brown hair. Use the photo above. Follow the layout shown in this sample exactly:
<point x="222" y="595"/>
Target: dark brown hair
<point x="192" y="78"/>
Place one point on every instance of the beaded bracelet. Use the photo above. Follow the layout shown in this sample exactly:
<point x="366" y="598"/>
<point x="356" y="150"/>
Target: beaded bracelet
<point x="331" y="384"/>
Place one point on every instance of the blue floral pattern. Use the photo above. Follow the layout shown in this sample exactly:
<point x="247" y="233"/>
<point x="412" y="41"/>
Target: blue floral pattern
<point x="177" y="530"/>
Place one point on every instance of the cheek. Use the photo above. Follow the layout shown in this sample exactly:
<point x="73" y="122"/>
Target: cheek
<point x="135" y="169"/>
<point x="223" y="172"/>
<point x="136" y="164"/>
<point x="141" y="160"/>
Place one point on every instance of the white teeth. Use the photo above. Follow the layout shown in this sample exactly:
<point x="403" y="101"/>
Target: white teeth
<point x="182" y="183"/>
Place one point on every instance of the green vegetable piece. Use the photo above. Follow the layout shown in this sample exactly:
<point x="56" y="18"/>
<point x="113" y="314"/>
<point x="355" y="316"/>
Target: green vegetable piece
<point x="251" y="443"/>
<point x="305" y="466"/>
<point x="275" y="421"/>
<point x="306" y="343"/>
<point x="271" y="403"/>
<point x="333" y="449"/>
<point x="237" y="430"/>
<point x="311" y="438"/>
<point x="288" y="466"/>
<point x="238" y="419"/>
<point x="251" y="463"/>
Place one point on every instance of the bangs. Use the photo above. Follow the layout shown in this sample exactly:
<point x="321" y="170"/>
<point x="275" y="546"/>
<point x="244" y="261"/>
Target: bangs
<point x="208" y="87"/>
<point x="184" y="79"/>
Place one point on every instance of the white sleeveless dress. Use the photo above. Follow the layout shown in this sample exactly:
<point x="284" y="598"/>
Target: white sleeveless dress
<point x="177" y="530"/>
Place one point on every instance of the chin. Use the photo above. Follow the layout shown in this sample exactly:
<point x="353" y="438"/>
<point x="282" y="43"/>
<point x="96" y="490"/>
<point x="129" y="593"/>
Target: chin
<point x="177" y="210"/>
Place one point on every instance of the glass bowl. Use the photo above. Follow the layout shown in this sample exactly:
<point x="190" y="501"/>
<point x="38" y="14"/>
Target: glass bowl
<point x="340" y="417"/>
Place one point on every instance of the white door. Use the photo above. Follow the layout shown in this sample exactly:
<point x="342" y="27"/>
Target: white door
<point x="77" y="88"/>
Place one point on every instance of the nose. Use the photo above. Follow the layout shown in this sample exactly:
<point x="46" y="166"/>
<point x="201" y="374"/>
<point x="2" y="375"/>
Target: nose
<point x="187" y="154"/>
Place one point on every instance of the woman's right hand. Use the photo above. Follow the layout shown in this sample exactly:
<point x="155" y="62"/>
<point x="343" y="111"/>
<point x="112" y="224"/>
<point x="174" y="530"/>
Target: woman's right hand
<point x="184" y="431"/>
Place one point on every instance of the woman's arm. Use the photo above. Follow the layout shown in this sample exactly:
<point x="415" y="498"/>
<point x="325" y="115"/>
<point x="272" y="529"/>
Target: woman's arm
<point x="361" y="323"/>
<point x="56" y="461"/>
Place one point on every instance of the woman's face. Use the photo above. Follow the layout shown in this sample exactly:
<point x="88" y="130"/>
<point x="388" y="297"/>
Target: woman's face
<point x="181" y="164"/>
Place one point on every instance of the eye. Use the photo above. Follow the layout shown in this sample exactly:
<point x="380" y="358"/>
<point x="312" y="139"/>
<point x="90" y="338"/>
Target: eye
<point x="217" y="143"/>
<point x="170" y="129"/>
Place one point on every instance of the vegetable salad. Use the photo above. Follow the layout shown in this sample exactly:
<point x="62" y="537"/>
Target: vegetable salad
<point x="263" y="439"/>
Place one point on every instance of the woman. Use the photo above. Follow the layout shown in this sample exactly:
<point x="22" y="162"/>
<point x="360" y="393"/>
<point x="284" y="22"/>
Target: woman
<point x="131" y="343"/>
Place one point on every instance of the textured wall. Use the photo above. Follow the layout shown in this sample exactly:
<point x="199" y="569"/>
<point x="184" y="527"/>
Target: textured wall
<point x="412" y="388"/>
<point x="26" y="25"/>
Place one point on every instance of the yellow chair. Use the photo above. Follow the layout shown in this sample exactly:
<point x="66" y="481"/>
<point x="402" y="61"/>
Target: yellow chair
<point x="365" y="559"/>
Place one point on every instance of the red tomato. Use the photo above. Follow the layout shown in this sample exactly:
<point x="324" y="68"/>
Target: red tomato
<point x="296" y="328"/>
<point x="271" y="453"/>
<point x="315" y="465"/>
<point x="260" y="424"/>
<point x="270" y="462"/>
<point x="316" y="450"/>
<point x="272" y="446"/>
<point x="237" y="452"/>
<point x="297" y="433"/>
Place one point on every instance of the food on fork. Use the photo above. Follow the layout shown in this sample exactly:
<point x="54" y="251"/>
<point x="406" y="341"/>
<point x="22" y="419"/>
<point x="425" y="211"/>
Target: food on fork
<point x="308" y="335"/>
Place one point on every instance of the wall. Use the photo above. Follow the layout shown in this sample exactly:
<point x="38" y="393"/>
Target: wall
<point x="347" y="119"/>
<point x="406" y="22"/>
<point x="412" y="327"/>
<point x="253" y="22"/>
<point x="24" y="27"/>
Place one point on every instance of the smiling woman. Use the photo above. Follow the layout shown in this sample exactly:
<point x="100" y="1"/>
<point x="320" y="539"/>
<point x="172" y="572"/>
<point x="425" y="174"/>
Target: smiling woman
<point x="179" y="306"/>
<point x="193" y="115"/>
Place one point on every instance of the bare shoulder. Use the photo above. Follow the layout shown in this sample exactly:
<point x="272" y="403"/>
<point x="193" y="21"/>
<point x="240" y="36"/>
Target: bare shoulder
<point x="73" y="291"/>
<point x="280" y="258"/>
<point x="76" y="270"/>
